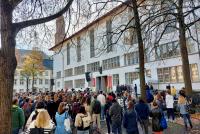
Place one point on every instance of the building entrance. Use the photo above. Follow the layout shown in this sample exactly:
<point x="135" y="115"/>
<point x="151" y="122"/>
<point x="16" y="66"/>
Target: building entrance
<point x="101" y="83"/>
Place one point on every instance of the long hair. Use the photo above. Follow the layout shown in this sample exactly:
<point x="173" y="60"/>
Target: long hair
<point x="61" y="108"/>
<point x="42" y="119"/>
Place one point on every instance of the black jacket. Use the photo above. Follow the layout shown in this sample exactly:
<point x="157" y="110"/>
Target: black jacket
<point x="156" y="115"/>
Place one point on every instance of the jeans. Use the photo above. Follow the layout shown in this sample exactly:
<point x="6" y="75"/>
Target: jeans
<point x="96" y="120"/>
<point x="15" y="131"/>
<point x="144" y="124"/>
<point x="116" y="127"/>
<point x="83" y="132"/>
<point x="170" y="112"/>
<point x="102" y="112"/>
<point x="185" y="118"/>
<point x="108" y="123"/>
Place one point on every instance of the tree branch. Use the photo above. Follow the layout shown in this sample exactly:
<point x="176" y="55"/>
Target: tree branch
<point x="21" y="25"/>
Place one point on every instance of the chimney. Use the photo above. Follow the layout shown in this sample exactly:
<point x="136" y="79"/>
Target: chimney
<point x="60" y="30"/>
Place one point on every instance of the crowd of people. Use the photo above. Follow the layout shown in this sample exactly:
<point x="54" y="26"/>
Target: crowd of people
<point x="67" y="112"/>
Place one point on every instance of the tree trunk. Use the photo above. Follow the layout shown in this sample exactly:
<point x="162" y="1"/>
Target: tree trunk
<point x="7" y="66"/>
<point x="183" y="49"/>
<point x="27" y="83"/>
<point x="140" y="48"/>
<point x="33" y="78"/>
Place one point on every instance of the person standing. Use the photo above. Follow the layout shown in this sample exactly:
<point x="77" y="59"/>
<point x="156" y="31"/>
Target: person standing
<point x="116" y="117"/>
<point x="106" y="111"/>
<point x="82" y="121"/>
<point x="170" y="104"/>
<point x="182" y="104"/>
<point x="130" y="119"/>
<point x="142" y="110"/>
<point x="102" y="99"/>
<point x="18" y="118"/>
<point x="173" y="91"/>
<point x="96" y="110"/>
<point x="156" y="115"/>
<point x="135" y="89"/>
<point x="60" y="117"/>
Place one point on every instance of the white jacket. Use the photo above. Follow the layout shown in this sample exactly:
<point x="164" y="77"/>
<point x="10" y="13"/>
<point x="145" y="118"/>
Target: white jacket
<point x="169" y="101"/>
<point x="102" y="99"/>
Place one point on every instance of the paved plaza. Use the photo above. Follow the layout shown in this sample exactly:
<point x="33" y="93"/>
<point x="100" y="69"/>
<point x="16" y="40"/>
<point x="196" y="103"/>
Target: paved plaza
<point x="173" y="128"/>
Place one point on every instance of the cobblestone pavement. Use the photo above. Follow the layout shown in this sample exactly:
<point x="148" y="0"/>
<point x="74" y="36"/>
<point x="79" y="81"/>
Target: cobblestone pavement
<point x="173" y="128"/>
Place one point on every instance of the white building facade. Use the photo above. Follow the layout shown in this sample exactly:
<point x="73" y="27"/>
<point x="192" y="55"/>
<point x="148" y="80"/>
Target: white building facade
<point x="96" y="47"/>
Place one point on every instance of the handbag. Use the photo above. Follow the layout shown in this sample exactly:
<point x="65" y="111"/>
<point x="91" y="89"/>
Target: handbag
<point x="163" y="122"/>
<point x="189" y="108"/>
<point x="67" y="123"/>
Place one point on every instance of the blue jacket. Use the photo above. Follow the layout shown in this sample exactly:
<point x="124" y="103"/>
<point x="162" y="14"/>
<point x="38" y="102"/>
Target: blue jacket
<point x="130" y="121"/>
<point x="142" y="110"/>
<point x="60" y="118"/>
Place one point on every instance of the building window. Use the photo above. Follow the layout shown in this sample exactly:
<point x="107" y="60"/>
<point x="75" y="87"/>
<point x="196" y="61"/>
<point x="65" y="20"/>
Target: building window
<point x="46" y="81"/>
<point x="179" y="74"/>
<point x="78" y="50"/>
<point x="148" y="73"/>
<point x="194" y="72"/>
<point x="80" y="83"/>
<point x="40" y="81"/>
<point x="21" y="81"/>
<point x="68" y="72"/>
<point x="21" y="90"/>
<point x="69" y="84"/>
<point x="29" y="81"/>
<point x="40" y="74"/>
<point x="58" y="75"/>
<point x="93" y="67"/>
<point x="175" y="74"/>
<point x="169" y="25"/>
<point x="35" y="82"/>
<point x="130" y="77"/>
<point x="115" y="79"/>
<point x="166" y="72"/>
<point x="191" y="46"/>
<point x="79" y="70"/>
<point x="92" y="52"/>
<point x="167" y="50"/>
<point x="109" y="35"/>
<point x="131" y="58"/>
<point x="160" y="75"/>
<point x="15" y="81"/>
<point x="46" y="73"/>
<point x="58" y="84"/>
<point x="68" y="54"/>
<point x="111" y="63"/>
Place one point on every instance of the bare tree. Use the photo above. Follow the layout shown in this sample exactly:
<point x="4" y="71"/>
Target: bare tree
<point x="9" y="30"/>
<point x="179" y="15"/>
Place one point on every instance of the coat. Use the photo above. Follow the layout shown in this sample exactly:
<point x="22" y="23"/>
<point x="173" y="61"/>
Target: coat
<point x="18" y="118"/>
<point x="156" y="115"/>
<point x="130" y="121"/>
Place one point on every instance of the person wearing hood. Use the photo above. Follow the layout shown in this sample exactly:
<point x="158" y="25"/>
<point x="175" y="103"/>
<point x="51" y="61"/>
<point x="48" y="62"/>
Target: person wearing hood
<point x="130" y="119"/>
<point x="18" y="118"/>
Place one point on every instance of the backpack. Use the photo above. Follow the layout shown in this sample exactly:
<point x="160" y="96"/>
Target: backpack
<point x="86" y="121"/>
<point x="96" y="107"/>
